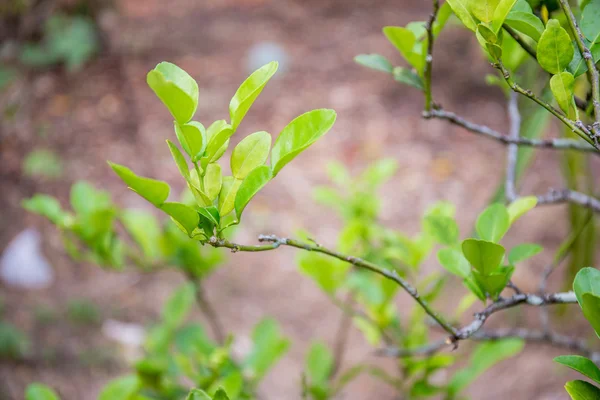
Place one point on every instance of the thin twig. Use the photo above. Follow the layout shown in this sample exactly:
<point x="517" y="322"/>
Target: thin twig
<point x="553" y="144"/>
<point x="429" y="56"/>
<point x="593" y="74"/>
<point x="513" y="150"/>
<point x="555" y="196"/>
<point x="273" y="242"/>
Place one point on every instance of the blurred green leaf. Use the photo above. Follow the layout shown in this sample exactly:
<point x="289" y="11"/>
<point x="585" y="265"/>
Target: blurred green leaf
<point x="319" y="363"/>
<point x="374" y="61"/>
<point x="43" y="163"/>
<point x="590" y="21"/>
<point x="454" y="261"/>
<point x="443" y="229"/>
<point x="523" y="251"/>
<point x="269" y="346"/>
<point x="179" y="305"/>
<point x="38" y="391"/>
<point x="123" y="388"/>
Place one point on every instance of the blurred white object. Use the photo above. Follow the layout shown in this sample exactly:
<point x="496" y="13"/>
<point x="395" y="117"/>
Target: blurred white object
<point x="23" y="265"/>
<point x="263" y="53"/>
<point x="130" y="336"/>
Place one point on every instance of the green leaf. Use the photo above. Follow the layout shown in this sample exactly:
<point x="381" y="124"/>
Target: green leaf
<point x="249" y="91"/>
<point x="590" y="21"/>
<point x="212" y="214"/>
<point x="179" y="305"/>
<point x="42" y="163"/>
<point x="454" y="261"/>
<point x="484" y="256"/>
<point x="269" y="346"/>
<point x="555" y="50"/>
<point x="443" y="229"/>
<point x="212" y="180"/>
<point x="527" y="23"/>
<point x="250" y="153"/>
<point x="404" y="40"/>
<point x="184" y="215"/>
<point x="327" y="273"/>
<point x="197" y="394"/>
<point x="461" y="10"/>
<point x="494" y="50"/>
<point x="487" y="34"/>
<point x="581" y="390"/>
<point x="374" y="61"/>
<point x="38" y="391"/>
<point x="501" y="12"/>
<point x="228" y="194"/>
<point x="319" y="363"/>
<point x="562" y="86"/>
<point x="85" y="199"/>
<point x="582" y="365"/>
<point x="470" y="284"/>
<point x="182" y="165"/>
<point x="121" y="388"/>
<point x="251" y="185"/>
<point x="156" y="192"/>
<point x="176" y="89"/>
<point x="578" y="66"/>
<point x="218" y="135"/>
<point x="587" y="280"/>
<point x="408" y="77"/>
<point x="144" y="229"/>
<point x="520" y="206"/>
<point x="591" y="310"/>
<point x="298" y="135"/>
<point x="523" y="251"/>
<point x="46" y="206"/>
<point x="483" y="10"/>
<point x="192" y="137"/>
<point x="495" y="282"/>
<point x="220" y="394"/>
<point x="493" y="222"/>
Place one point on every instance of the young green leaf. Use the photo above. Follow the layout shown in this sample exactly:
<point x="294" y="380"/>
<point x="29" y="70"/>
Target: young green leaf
<point x="462" y="11"/>
<point x="582" y="390"/>
<point x="526" y="23"/>
<point x="145" y="230"/>
<point x="555" y="50"/>
<point x="562" y="86"/>
<point x="493" y="222"/>
<point x="38" y="391"/>
<point x="487" y="34"/>
<point x="220" y="394"/>
<point x="212" y="180"/>
<point x="156" y="192"/>
<point x="251" y="185"/>
<point x="404" y="40"/>
<point x="470" y="284"/>
<point x="228" y="193"/>
<point x="374" y="61"/>
<point x="443" y="229"/>
<point x="454" y="261"/>
<point x="269" y="346"/>
<point x="179" y="305"/>
<point x="483" y="10"/>
<point x="319" y="363"/>
<point x="192" y="137"/>
<point x="590" y="21"/>
<point x="176" y="89"/>
<point x="501" y="12"/>
<point x="85" y="199"/>
<point x="520" y="206"/>
<point x="587" y="280"/>
<point x="197" y="394"/>
<point x="495" y="282"/>
<point x="249" y="91"/>
<point x="123" y="388"/>
<point x="522" y="252"/>
<point x="250" y="153"/>
<point x="298" y="135"/>
<point x="327" y="273"/>
<point x="406" y="76"/>
<point x="46" y="206"/>
<point x="182" y="165"/>
<point x="582" y="365"/>
<point x="484" y="256"/>
<point x="183" y="215"/>
<point x="212" y="214"/>
<point x="218" y="135"/>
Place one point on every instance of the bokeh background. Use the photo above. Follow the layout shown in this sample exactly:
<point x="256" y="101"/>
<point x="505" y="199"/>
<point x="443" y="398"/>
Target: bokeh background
<point x="64" y="114"/>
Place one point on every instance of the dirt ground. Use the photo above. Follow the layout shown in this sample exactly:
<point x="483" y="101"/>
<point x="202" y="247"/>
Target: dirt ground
<point x="106" y="112"/>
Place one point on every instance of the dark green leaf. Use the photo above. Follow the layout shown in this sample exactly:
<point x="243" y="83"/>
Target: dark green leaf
<point x="591" y="310"/>
<point x="590" y="21"/>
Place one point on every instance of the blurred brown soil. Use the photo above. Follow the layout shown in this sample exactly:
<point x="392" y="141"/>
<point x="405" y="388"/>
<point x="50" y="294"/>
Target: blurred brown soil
<point x="106" y="112"/>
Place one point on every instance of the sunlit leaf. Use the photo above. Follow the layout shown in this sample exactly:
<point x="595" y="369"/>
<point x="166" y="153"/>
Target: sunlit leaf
<point x="176" y="89"/>
<point x="248" y="92"/>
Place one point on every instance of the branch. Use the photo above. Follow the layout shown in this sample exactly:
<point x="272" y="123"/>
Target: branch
<point x="553" y="144"/>
<point x="563" y="196"/>
<point x="209" y="313"/>
<point x="429" y="57"/>
<point x="512" y="153"/>
<point x="589" y="61"/>
<point x="273" y="242"/>
<point x="341" y="337"/>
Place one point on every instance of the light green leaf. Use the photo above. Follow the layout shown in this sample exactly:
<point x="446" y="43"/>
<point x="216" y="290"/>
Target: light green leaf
<point x="484" y="256"/>
<point x="212" y="180"/>
<point x="176" y="89"/>
<point x="501" y="12"/>
<point x="218" y="135"/>
<point x="555" y="50"/>
<point x="520" y="206"/>
<point x="192" y="137"/>
<point x="494" y="50"/>
<point x="46" y="206"/>
<point x="578" y="66"/>
<point x="197" y="394"/>
<point x="251" y="185"/>
<point x="179" y="305"/>
<point x="483" y="10"/>
<point x="461" y="9"/>
<point x="85" y="199"/>
<point x="185" y="216"/>
<point x="590" y="21"/>
<point x="582" y="365"/>
<point x="228" y="193"/>
<point x="487" y="34"/>
<point x="493" y="222"/>
<point x="250" y="153"/>
<point x="591" y="310"/>
<point x="327" y="273"/>
<point x="375" y="61"/>
<point x="495" y="282"/>
<point x="182" y="165"/>
<point x="144" y="229"/>
<point x="298" y="135"/>
<point x="526" y="23"/>
<point x="269" y="346"/>
<point x="248" y="92"/>
<point x="319" y="363"/>
<point x="443" y="229"/>
<point x="404" y="40"/>
<point x="454" y="261"/>
<point x="156" y="192"/>
<point x="582" y="390"/>
<point x="587" y="280"/>
<point x="38" y="391"/>
<point x="523" y="251"/>
<point x="408" y="77"/>
<point x="220" y="394"/>
<point x="562" y="86"/>
<point x="123" y="388"/>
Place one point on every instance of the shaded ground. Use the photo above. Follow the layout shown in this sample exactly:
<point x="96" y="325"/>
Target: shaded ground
<point x="107" y="112"/>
